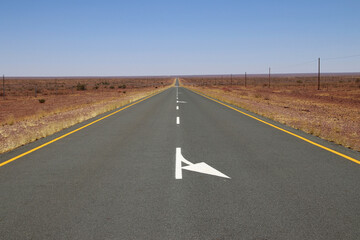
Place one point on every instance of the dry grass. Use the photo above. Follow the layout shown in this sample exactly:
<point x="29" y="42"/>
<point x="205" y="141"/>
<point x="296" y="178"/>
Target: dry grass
<point x="332" y="113"/>
<point x="24" y="119"/>
<point x="34" y="87"/>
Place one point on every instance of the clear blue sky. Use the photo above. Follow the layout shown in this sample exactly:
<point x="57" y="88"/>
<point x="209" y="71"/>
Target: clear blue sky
<point x="158" y="37"/>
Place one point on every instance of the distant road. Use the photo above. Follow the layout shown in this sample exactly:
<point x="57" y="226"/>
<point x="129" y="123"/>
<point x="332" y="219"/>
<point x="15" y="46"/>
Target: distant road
<point x="179" y="166"/>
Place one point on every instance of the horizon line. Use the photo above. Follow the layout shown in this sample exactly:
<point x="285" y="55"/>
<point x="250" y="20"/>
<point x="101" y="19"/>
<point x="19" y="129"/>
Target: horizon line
<point x="182" y="75"/>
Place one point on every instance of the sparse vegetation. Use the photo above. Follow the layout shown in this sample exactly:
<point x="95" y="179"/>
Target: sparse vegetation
<point x="41" y="100"/>
<point x="9" y="120"/>
<point x="332" y="113"/>
<point x="80" y="87"/>
<point x="23" y="120"/>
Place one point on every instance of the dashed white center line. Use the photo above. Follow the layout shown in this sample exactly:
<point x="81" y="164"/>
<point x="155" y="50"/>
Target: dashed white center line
<point x="177" y="107"/>
<point x="178" y="120"/>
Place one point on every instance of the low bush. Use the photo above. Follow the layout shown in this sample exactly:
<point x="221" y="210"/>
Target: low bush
<point x="80" y="87"/>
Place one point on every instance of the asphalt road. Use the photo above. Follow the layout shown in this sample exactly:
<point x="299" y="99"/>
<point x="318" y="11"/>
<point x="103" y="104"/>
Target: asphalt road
<point x="123" y="178"/>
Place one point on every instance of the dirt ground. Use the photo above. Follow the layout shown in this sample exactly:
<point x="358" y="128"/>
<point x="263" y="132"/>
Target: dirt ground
<point x="25" y="118"/>
<point x="332" y="113"/>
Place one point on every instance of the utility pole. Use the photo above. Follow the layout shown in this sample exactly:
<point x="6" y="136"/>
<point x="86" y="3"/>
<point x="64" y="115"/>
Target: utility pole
<point x="269" y="76"/>
<point x="4" y="86"/>
<point x="245" y="79"/>
<point x="319" y="74"/>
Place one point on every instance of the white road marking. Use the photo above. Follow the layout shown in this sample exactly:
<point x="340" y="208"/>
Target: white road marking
<point x="204" y="168"/>
<point x="179" y="160"/>
<point x="177" y="120"/>
<point x="180" y="102"/>
<point x="177" y="107"/>
<point x="195" y="167"/>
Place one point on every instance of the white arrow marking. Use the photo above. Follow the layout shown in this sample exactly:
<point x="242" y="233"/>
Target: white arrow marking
<point x="195" y="167"/>
<point x="204" y="168"/>
<point x="179" y="160"/>
<point x="180" y="102"/>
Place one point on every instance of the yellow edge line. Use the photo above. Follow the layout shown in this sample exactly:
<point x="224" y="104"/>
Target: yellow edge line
<point x="281" y="129"/>
<point x="74" y="131"/>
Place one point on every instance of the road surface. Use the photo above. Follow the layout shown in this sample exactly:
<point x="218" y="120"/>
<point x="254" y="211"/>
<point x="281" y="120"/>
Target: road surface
<point x="179" y="166"/>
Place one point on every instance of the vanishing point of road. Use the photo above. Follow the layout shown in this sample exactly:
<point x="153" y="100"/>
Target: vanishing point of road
<point x="179" y="165"/>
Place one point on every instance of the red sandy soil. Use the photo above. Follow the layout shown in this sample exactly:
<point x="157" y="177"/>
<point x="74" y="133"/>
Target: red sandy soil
<point x="332" y="113"/>
<point x="24" y="119"/>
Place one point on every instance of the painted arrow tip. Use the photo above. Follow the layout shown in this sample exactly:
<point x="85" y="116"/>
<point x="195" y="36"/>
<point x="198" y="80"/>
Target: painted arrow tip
<point x="204" y="168"/>
<point x="195" y="167"/>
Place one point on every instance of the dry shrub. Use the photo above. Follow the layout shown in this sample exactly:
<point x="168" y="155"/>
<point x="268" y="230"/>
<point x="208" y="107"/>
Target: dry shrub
<point x="332" y="115"/>
<point x="10" y="120"/>
<point x="46" y="120"/>
<point x="226" y="89"/>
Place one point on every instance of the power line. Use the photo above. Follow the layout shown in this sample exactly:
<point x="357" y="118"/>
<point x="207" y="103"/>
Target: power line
<point x="344" y="57"/>
<point x="315" y="60"/>
<point x="300" y="64"/>
<point x="297" y="64"/>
